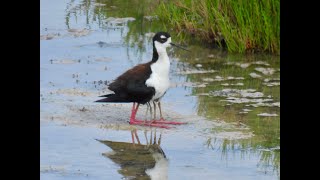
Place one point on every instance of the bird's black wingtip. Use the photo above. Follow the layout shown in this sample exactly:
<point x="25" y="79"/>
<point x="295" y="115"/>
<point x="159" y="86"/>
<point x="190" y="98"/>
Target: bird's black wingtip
<point x="106" y="95"/>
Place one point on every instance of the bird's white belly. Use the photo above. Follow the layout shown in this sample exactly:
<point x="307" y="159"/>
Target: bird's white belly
<point x="160" y="84"/>
<point x="161" y="88"/>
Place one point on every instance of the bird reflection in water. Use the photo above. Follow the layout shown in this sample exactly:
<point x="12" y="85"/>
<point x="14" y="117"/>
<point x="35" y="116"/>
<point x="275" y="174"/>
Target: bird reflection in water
<point x="137" y="160"/>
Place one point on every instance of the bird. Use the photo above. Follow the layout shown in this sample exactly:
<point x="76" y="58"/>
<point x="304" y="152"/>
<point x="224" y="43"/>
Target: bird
<point x="145" y="83"/>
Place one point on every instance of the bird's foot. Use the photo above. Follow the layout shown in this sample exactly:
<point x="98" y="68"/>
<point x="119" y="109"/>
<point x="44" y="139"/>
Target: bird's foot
<point x="147" y="123"/>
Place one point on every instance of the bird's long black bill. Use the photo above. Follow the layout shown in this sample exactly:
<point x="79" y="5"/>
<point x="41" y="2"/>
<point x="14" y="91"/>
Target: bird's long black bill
<point x="179" y="47"/>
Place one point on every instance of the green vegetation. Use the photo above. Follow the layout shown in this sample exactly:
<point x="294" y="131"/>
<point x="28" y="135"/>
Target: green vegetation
<point x="244" y="25"/>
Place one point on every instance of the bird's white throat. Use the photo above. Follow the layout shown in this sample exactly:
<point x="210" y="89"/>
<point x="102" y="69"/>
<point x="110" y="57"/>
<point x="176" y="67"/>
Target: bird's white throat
<point x="161" y="47"/>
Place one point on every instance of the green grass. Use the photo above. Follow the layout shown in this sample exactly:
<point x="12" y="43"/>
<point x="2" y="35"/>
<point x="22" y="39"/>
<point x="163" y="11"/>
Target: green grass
<point x="245" y="25"/>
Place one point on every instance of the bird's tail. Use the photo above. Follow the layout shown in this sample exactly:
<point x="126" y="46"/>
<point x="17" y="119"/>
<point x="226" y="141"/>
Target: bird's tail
<point x="112" y="98"/>
<point x="107" y="95"/>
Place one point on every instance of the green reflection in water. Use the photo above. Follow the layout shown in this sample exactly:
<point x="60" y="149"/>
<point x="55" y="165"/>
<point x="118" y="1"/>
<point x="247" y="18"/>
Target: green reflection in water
<point x="266" y="139"/>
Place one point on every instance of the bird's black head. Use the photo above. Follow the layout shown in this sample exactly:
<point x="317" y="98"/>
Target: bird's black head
<point x="162" y="37"/>
<point x="161" y="41"/>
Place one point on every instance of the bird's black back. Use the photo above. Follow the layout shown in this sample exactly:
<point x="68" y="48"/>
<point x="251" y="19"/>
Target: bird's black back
<point x="131" y="87"/>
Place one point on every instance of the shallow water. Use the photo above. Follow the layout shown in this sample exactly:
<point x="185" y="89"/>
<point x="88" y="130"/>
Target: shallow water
<point x="233" y="129"/>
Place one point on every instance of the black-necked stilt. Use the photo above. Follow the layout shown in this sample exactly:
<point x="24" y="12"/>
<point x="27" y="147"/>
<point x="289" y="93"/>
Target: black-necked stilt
<point x="145" y="83"/>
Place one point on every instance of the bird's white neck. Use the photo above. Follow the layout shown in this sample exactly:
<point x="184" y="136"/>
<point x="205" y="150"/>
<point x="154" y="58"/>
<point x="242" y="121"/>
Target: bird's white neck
<point x="160" y="49"/>
<point x="162" y="65"/>
<point x="163" y="58"/>
<point x="159" y="78"/>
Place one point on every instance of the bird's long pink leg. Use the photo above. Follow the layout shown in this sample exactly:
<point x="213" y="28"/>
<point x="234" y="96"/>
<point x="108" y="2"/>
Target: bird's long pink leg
<point x="134" y="111"/>
<point x="134" y="121"/>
